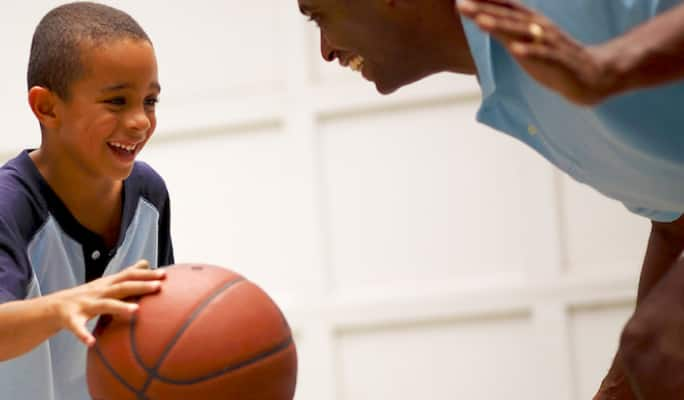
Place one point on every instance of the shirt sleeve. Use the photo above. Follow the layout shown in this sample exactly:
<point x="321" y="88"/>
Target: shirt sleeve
<point x="15" y="274"/>
<point x="165" y="245"/>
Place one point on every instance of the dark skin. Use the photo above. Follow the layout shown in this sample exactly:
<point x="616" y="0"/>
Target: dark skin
<point x="587" y="75"/>
<point x="649" y="55"/>
<point x="646" y="56"/>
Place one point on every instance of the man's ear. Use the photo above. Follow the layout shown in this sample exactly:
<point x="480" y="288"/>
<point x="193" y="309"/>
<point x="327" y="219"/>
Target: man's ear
<point x="43" y="103"/>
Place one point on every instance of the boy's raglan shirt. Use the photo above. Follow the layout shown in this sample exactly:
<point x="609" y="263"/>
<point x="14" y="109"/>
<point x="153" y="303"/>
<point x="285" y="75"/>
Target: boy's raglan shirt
<point x="43" y="249"/>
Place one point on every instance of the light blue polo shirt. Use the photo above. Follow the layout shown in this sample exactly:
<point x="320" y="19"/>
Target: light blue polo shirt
<point x="630" y="148"/>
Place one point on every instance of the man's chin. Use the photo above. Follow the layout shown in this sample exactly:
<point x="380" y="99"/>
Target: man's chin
<point x="390" y="86"/>
<point x="386" y="89"/>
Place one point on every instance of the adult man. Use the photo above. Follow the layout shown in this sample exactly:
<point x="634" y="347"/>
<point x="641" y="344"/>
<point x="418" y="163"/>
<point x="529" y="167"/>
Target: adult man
<point x="628" y="147"/>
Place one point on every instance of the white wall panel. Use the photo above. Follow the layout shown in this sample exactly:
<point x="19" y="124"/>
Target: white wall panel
<point x="427" y="194"/>
<point x="481" y="359"/>
<point x="601" y="235"/>
<point x="233" y="198"/>
<point x="213" y="49"/>
<point x="595" y="332"/>
<point x="20" y="129"/>
<point x="419" y="253"/>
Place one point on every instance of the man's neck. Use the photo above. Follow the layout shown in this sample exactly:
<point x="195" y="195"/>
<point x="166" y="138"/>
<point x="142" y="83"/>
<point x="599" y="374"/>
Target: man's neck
<point x="457" y="53"/>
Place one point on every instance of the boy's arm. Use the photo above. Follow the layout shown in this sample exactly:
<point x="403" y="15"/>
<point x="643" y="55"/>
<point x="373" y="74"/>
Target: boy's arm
<point x="648" y="55"/>
<point x="27" y="323"/>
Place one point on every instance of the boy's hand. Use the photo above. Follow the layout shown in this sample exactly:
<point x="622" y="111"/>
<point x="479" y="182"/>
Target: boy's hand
<point x="75" y="306"/>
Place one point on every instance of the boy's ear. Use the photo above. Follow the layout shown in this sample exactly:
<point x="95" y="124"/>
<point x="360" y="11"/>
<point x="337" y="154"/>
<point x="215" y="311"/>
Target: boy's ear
<point x="43" y="103"/>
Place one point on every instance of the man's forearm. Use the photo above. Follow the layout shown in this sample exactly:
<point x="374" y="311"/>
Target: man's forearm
<point x="665" y="246"/>
<point x="650" y="348"/>
<point x="648" y="55"/>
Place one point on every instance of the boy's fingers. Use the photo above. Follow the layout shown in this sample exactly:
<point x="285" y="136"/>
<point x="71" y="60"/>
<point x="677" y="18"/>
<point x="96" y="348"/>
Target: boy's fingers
<point x="142" y="264"/>
<point x="141" y="275"/>
<point x="78" y="328"/>
<point x="132" y="288"/>
<point x="113" y="307"/>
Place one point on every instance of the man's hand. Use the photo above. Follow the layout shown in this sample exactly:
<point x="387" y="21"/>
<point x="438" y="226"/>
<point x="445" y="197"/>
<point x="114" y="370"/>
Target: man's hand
<point x="577" y="72"/>
<point x="615" y="385"/>
<point x="75" y="306"/>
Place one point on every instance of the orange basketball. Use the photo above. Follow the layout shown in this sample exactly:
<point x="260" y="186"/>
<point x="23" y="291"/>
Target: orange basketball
<point x="209" y="334"/>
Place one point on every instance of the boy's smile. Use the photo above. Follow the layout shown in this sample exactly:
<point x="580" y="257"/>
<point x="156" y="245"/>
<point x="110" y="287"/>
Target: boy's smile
<point x="109" y="114"/>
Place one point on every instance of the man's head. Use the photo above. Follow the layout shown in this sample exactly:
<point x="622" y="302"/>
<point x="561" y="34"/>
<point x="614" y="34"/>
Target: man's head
<point x="391" y="42"/>
<point x="93" y="86"/>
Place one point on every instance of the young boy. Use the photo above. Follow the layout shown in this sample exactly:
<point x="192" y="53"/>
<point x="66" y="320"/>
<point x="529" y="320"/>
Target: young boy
<point x="77" y="214"/>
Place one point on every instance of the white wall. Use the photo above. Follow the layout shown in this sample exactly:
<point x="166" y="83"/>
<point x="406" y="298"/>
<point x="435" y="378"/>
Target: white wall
<point x="416" y="253"/>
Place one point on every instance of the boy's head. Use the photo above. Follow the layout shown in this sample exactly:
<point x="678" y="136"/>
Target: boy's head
<point x="93" y="86"/>
<point x="65" y="32"/>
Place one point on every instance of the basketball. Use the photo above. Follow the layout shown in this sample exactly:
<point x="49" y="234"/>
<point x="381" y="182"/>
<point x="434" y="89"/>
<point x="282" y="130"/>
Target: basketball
<point x="208" y="334"/>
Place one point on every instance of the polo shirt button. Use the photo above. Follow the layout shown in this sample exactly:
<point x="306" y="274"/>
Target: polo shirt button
<point x="95" y="255"/>
<point x="532" y="130"/>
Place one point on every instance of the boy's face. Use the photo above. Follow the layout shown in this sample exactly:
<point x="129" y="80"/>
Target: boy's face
<point x="110" y="112"/>
<point x="387" y="44"/>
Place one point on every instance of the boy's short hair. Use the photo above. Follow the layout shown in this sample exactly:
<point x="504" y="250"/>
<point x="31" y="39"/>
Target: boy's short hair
<point x="59" y="39"/>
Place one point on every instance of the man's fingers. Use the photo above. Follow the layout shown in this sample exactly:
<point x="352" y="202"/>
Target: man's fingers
<point x="501" y="8"/>
<point x="132" y="288"/>
<point x="504" y="30"/>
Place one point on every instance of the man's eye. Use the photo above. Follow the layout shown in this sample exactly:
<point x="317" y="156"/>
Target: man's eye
<point x="116" y="101"/>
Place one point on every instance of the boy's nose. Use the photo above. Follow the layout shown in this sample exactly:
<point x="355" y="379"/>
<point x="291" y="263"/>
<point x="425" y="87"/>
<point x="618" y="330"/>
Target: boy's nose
<point x="139" y="121"/>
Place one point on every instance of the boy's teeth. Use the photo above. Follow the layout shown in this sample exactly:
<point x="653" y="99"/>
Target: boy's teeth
<point x="121" y="146"/>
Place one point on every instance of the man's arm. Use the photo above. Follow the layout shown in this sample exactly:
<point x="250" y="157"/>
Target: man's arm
<point x="648" y="55"/>
<point x="665" y="246"/>
<point x="651" y="349"/>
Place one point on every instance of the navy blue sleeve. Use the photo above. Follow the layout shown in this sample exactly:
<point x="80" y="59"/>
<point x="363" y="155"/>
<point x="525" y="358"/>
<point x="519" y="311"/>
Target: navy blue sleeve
<point x="15" y="273"/>
<point x="165" y="245"/>
<point x="154" y="189"/>
<point x="16" y="222"/>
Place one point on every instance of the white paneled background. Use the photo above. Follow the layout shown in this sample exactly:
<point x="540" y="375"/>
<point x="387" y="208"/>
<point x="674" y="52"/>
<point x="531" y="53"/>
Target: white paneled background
<point x="416" y="253"/>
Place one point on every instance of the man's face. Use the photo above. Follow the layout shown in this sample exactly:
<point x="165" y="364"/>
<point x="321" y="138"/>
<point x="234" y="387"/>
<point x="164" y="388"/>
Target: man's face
<point x="110" y="112"/>
<point x="387" y="46"/>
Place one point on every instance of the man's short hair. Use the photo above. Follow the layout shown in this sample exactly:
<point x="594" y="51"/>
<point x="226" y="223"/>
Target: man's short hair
<point x="56" y="61"/>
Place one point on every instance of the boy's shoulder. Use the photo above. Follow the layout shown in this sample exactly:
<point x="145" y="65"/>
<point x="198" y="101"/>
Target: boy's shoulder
<point x="20" y="193"/>
<point x="148" y="182"/>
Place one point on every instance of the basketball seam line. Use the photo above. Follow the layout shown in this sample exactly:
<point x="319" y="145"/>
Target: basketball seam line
<point x="113" y="371"/>
<point x="285" y="344"/>
<point x="154" y="372"/>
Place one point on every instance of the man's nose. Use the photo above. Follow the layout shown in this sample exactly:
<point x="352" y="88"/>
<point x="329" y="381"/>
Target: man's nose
<point x="327" y="51"/>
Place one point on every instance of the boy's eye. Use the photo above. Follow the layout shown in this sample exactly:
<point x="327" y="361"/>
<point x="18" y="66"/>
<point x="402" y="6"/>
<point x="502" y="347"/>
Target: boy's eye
<point x="151" y="101"/>
<point x="116" y="101"/>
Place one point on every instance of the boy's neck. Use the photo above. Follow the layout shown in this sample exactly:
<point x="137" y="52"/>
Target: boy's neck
<point x="95" y="203"/>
